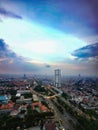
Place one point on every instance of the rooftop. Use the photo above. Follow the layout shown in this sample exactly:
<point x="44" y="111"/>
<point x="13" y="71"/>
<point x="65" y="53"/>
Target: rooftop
<point x="3" y="98"/>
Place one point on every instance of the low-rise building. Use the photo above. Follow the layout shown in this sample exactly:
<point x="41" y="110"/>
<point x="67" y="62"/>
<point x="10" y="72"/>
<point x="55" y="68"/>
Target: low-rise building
<point x="4" y="99"/>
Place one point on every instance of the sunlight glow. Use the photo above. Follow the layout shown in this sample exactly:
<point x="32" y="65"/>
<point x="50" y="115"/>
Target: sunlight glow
<point x="38" y="42"/>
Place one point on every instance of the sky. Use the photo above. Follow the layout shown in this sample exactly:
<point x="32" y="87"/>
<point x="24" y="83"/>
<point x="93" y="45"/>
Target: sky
<point x="39" y="36"/>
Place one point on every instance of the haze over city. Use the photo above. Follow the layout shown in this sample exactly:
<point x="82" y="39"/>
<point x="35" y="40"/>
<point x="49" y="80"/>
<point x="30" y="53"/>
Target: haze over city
<point x="48" y="64"/>
<point x="39" y="36"/>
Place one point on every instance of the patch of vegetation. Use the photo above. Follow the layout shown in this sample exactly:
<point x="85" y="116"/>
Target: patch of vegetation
<point x="39" y="88"/>
<point x="83" y="122"/>
<point x="65" y="95"/>
<point x="27" y="95"/>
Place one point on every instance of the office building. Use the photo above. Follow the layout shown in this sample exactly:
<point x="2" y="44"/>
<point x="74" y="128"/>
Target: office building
<point x="58" y="78"/>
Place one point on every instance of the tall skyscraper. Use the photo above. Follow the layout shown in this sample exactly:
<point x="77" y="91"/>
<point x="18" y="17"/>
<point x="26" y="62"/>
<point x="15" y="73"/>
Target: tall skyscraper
<point x="58" y="78"/>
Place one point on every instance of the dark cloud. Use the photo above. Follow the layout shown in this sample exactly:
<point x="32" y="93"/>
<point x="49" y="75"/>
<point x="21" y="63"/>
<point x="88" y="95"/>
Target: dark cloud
<point x="5" y="50"/>
<point x="11" y="63"/>
<point x="48" y="66"/>
<point x="88" y="58"/>
<point x="87" y="51"/>
<point x="10" y="14"/>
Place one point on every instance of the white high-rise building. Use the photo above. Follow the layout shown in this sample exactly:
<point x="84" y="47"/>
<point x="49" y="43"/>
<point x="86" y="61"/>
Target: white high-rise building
<point x="58" y="78"/>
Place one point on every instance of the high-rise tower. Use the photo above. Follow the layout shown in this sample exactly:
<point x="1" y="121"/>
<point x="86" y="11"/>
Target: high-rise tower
<point x="58" y="78"/>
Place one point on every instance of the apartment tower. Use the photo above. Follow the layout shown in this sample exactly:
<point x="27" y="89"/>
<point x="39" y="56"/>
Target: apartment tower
<point x="58" y="78"/>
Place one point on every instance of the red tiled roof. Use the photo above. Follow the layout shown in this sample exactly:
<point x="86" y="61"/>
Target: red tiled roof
<point x="43" y="108"/>
<point x="7" y="106"/>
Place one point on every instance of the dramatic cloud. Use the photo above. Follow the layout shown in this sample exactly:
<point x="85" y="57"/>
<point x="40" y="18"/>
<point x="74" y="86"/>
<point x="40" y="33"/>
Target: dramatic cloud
<point x="5" y="51"/>
<point x="71" y="16"/>
<point x="87" y="51"/>
<point x="87" y="57"/>
<point x="6" y="13"/>
<point x="78" y="17"/>
<point x="50" y="31"/>
<point x="10" y="62"/>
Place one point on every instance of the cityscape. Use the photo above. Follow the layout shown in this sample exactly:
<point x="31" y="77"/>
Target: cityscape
<point x="48" y="65"/>
<point x="54" y="103"/>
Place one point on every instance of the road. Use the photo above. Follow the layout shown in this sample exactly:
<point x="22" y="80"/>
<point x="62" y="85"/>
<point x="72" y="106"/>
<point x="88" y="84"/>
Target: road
<point x="58" y="116"/>
<point x="64" y="117"/>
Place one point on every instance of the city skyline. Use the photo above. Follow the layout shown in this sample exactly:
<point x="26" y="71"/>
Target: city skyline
<point x="41" y="36"/>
